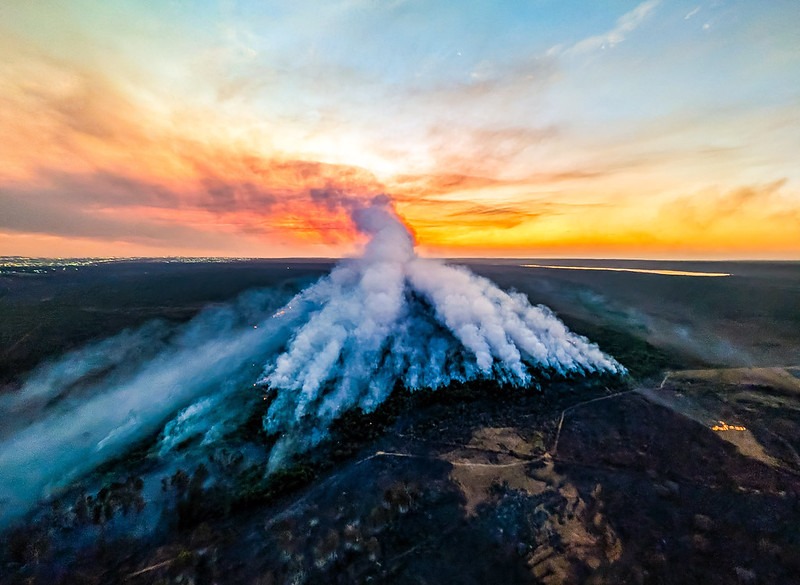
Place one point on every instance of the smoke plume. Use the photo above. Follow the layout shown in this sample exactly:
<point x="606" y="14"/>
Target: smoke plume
<point x="391" y="315"/>
<point x="343" y="342"/>
<point x="94" y="404"/>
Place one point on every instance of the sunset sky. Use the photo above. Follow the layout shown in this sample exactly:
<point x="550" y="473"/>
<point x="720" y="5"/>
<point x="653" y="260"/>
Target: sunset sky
<point x="536" y="128"/>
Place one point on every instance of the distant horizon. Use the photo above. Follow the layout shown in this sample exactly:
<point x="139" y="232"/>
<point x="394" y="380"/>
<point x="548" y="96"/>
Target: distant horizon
<point x="338" y="258"/>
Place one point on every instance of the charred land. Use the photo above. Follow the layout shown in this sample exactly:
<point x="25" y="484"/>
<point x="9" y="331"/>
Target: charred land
<point x="601" y="479"/>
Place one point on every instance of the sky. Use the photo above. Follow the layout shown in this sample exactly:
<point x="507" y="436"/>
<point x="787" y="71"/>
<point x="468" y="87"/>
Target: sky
<point x="533" y="128"/>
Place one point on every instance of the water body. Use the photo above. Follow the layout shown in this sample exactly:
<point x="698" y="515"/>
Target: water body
<point x="662" y="272"/>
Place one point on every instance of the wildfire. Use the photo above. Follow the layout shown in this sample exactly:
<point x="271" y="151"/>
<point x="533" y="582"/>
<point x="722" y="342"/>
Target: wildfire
<point x="723" y="426"/>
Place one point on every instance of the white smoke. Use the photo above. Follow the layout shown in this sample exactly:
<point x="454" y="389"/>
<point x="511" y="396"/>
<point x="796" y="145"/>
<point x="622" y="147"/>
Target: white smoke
<point x="341" y="343"/>
<point x="66" y="381"/>
<point x="392" y="315"/>
<point x="59" y="434"/>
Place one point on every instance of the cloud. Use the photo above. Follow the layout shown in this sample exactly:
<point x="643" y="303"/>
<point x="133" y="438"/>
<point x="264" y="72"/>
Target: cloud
<point x="258" y="126"/>
<point x="53" y="113"/>
<point x="712" y="209"/>
<point x="692" y="12"/>
<point x="495" y="217"/>
<point x="51" y="211"/>
<point x="486" y="151"/>
<point x="626" y="24"/>
<point x="224" y="195"/>
<point x="286" y="200"/>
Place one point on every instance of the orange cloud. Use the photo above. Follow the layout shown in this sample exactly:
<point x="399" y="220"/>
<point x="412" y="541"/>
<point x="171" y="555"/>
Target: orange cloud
<point x="90" y="160"/>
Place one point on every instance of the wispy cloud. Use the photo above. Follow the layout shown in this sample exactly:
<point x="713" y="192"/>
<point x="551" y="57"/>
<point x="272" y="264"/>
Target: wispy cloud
<point x="626" y="24"/>
<point x="764" y="205"/>
<point x="692" y="12"/>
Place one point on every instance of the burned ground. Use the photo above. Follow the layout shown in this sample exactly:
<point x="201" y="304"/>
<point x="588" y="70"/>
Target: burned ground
<point x="594" y="481"/>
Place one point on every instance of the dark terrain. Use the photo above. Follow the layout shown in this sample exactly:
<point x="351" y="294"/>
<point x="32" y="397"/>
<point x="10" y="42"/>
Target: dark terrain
<point x="687" y="471"/>
<point x="45" y="311"/>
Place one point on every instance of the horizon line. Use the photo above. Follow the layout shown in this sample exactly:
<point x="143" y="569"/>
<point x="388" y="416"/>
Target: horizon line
<point x="336" y="258"/>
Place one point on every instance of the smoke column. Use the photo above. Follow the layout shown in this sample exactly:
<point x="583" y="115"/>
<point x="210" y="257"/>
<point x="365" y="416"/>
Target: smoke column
<point x="390" y="316"/>
<point x="343" y="342"/>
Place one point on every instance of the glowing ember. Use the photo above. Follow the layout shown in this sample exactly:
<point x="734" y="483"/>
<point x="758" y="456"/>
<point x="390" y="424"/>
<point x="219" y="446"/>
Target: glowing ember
<point x="723" y="426"/>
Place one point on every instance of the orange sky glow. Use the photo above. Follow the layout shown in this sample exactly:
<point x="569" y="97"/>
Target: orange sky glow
<point x="130" y="132"/>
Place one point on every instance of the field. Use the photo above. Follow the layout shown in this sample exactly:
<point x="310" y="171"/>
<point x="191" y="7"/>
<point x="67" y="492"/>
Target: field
<point x="686" y="471"/>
